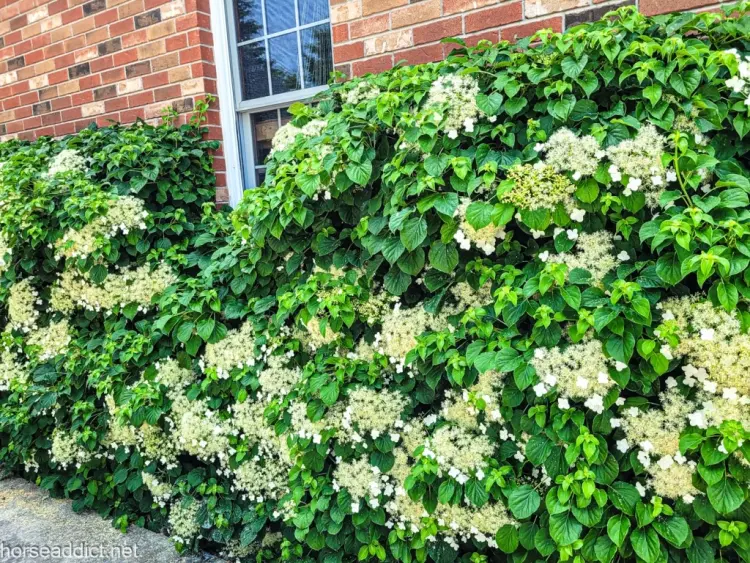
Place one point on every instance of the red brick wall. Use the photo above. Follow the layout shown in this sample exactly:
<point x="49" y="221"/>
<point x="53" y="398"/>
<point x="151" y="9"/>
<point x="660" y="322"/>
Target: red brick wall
<point x="373" y="35"/>
<point x="66" y="63"/>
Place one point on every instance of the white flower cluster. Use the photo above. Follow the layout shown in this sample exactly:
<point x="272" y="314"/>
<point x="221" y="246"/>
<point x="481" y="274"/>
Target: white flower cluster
<point x="713" y="343"/>
<point x="399" y="332"/>
<point x="13" y="372"/>
<point x="485" y="238"/>
<point x="640" y="160"/>
<point x="6" y="251"/>
<point x="276" y="379"/>
<point x="200" y="431"/>
<point x="52" y="340"/>
<point x="363" y="482"/>
<point x="741" y="83"/>
<point x="138" y="285"/>
<point x="656" y="434"/>
<point x="371" y="413"/>
<point x="594" y="252"/>
<point x="362" y="91"/>
<point x="580" y="371"/>
<point x="540" y="187"/>
<point x="287" y="134"/>
<point x="235" y="351"/>
<point x="123" y="215"/>
<point x="462" y="453"/>
<point x="171" y="375"/>
<point x="161" y="492"/>
<point x="67" y="160"/>
<point x="566" y="152"/>
<point x="183" y="522"/>
<point x="22" y="313"/>
<point x="66" y="450"/>
<point x="464" y="408"/>
<point x="452" y="103"/>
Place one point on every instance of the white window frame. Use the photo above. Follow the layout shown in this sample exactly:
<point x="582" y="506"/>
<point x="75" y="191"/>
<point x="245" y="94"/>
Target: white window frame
<point x="235" y="114"/>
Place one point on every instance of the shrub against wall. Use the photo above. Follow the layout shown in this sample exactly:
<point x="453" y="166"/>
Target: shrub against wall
<point x="494" y="305"/>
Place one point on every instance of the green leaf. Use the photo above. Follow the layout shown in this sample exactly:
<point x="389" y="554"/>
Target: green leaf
<point x="523" y="501"/>
<point x="479" y="214"/>
<point x="669" y="268"/>
<point x="685" y="82"/>
<point x="507" y="538"/>
<point x="646" y="544"/>
<point x="476" y="492"/>
<point x="413" y="232"/>
<point x="572" y="67"/>
<point x="653" y="93"/>
<point x="617" y="529"/>
<point x="564" y="528"/>
<point x="726" y="495"/>
<point x="674" y="529"/>
<point x="98" y="274"/>
<point x="490" y="105"/>
<point x="624" y="497"/>
<point x="359" y="172"/>
<point x="329" y="393"/>
<point x="443" y="257"/>
<point x="538" y="449"/>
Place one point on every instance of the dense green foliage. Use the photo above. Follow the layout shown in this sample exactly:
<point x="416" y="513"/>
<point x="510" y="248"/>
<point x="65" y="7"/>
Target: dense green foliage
<point x="487" y="309"/>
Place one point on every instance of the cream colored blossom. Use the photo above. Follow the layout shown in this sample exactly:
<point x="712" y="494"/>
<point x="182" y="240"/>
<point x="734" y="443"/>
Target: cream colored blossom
<point x="138" y="285"/>
<point x="452" y="103"/>
<point x="22" y="313"/>
<point x="67" y="160"/>
<point x="235" y="351"/>
<point x="594" y="252"/>
<point x="485" y="238"/>
<point x="287" y="134"/>
<point x="66" y="450"/>
<point x="371" y="413"/>
<point x="566" y="152"/>
<point x="13" y="371"/>
<point x="640" y="158"/>
<point x="182" y="522"/>
<point x="580" y="371"/>
<point x="52" y="340"/>
<point x="124" y="214"/>
<point x="537" y="187"/>
<point x="6" y="252"/>
<point x="362" y="91"/>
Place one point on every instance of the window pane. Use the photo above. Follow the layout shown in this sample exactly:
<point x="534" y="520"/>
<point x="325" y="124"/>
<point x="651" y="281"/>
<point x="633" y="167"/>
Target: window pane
<point x="265" y="125"/>
<point x="254" y="71"/>
<point x="260" y="176"/>
<point x="280" y="15"/>
<point x="317" y="57"/>
<point x="249" y="19"/>
<point x="311" y="11"/>
<point x="284" y="63"/>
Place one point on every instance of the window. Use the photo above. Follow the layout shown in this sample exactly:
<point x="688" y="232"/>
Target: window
<point x="281" y="53"/>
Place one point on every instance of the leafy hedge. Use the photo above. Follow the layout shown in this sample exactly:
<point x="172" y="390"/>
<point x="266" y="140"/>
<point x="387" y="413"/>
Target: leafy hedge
<point x="489" y="306"/>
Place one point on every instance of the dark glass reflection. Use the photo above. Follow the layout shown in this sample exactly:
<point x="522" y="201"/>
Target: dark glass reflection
<point x="254" y="71"/>
<point x="317" y="58"/>
<point x="280" y="15"/>
<point x="249" y="19"/>
<point x="311" y="11"/>
<point x="284" y="63"/>
<point x="260" y="176"/>
<point x="265" y="125"/>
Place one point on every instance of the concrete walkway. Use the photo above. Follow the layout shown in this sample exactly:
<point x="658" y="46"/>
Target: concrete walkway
<point x="31" y="521"/>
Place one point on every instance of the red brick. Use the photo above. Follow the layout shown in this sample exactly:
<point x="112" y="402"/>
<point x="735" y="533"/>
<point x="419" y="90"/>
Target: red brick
<point x="155" y="80"/>
<point x="374" y="65"/>
<point x="340" y="33"/>
<point x="57" y="7"/>
<point x="167" y="93"/>
<point x="491" y="35"/>
<point x="493" y="17"/>
<point x="116" y="104"/>
<point x="374" y="6"/>
<point x="426" y="10"/>
<point x="420" y="55"/>
<point x="369" y="26"/>
<point x="349" y="52"/>
<point x="515" y="32"/>
<point x="654" y="7"/>
<point x="177" y="42"/>
<point x="438" y="30"/>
